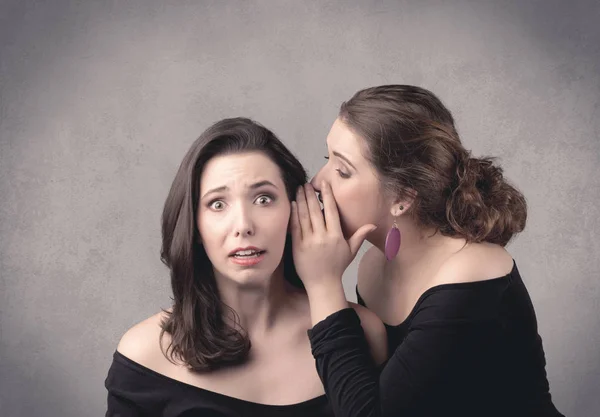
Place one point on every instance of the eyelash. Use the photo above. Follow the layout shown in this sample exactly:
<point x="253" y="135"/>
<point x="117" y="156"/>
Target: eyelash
<point x="340" y="172"/>
<point x="271" y="198"/>
<point x="343" y="174"/>
<point x="209" y="205"/>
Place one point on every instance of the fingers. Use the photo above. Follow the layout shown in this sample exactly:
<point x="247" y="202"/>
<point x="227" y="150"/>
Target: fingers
<point x="295" y="228"/>
<point x="332" y="217"/>
<point x="303" y="214"/>
<point x="359" y="237"/>
<point x="314" y="209"/>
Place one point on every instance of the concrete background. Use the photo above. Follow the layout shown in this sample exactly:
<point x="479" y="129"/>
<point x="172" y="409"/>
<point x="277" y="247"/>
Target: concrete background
<point x="101" y="99"/>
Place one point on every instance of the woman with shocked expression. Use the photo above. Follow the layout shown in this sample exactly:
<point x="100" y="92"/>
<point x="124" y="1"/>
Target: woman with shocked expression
<point x="240" y="195"/>
<point x="234" y="342"/>
<point x="462" y="331"/>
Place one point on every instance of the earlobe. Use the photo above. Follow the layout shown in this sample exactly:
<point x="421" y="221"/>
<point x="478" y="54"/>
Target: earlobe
<point x="399" y="208"/>
<point x="402" y="204"/>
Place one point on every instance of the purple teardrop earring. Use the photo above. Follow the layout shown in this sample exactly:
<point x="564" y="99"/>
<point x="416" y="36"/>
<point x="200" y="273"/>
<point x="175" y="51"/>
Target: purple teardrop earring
<point x="392" y="241"/>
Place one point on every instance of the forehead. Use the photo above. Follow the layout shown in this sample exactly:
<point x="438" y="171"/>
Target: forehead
<point x="342" y="139"/>
<point x="239" y="170"/>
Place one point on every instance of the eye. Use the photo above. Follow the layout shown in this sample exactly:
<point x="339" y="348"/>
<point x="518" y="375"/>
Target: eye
<point x="216" y="205"/>
<point x="263" y="200"/>
<point x="326" y="157"/>
<point x="343" y="174"/>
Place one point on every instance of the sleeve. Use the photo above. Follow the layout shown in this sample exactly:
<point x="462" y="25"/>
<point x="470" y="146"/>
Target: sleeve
<point x="130" y="393"/>
<point x="432" y="348"/>
<point x="121" y="407"/>
<point x="119" y="401"/>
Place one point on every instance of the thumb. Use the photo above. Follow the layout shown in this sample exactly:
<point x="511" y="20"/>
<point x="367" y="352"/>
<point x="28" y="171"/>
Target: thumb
<point x="359" y="237"/>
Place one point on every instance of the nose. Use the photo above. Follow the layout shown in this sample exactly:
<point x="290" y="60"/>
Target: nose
<point x="317" y="179"/>
<point x="243" y="225"/>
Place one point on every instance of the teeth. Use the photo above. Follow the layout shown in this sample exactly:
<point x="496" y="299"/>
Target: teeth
<point x="246" y="253"/>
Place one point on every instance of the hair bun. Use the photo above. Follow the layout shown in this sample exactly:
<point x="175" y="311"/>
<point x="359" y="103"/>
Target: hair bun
<point x="484" y="206"/>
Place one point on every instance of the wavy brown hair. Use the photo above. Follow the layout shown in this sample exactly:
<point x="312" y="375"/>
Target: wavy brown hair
<point x="201" y="336"/>
<point x="414" y="145"/>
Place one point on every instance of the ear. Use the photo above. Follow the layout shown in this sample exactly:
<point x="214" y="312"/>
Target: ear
<point x="403" y="203"/>
<point x="398" y="209"/>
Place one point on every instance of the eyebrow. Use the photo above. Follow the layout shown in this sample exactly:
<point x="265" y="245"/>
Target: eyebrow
<point x="339" y="155"/>
<point x="252" y="187"/>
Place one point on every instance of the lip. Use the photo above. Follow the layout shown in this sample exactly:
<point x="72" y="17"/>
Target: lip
<point x="254" y="248"/>
<point x="247" y="261"/>
<point x="251" y="261"/>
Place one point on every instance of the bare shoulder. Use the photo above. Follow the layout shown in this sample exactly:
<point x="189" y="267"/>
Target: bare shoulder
<point x="141" y="343"/>
<point x="375" y="332"/>
<point x="476" y="262"/>
<point x="370" y="265"/>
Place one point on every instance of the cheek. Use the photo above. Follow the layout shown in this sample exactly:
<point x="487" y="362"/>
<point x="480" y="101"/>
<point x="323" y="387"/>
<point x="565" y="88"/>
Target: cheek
<point x="272" y="234"/>
<point x="212" y="233"/>
<point x="355" y="205"/>
<point x="276" y="223"/>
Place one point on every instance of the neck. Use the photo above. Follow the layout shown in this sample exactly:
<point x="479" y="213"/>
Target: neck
<point x="256" y="305"/>
<point x="418" y="244"/>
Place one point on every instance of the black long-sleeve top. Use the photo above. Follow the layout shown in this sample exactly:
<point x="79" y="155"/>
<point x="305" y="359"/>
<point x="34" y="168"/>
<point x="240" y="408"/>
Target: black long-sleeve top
<point x="466" y="349"/>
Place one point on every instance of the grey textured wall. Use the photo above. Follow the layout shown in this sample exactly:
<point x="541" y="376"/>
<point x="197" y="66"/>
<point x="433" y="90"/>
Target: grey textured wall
<point x="100" y="100"/>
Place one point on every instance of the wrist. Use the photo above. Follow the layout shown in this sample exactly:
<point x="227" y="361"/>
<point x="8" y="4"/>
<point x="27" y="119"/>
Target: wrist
<point x="325" y="299"/>
<point x="325" y="287"/>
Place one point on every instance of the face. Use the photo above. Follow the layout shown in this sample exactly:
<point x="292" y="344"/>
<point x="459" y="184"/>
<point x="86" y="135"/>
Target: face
<point x="353" y="180"/>
<point x="243" y="216"/>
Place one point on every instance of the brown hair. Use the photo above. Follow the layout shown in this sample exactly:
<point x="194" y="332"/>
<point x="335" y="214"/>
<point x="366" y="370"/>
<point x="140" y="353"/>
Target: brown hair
<point x="414" y="146"/>
<point x="200" y="334"/>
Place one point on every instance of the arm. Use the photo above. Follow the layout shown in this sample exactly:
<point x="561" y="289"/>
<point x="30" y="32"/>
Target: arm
<point x="431" y="350"/>
<point x="325" y="301"/>
<point x="374" y="331"/>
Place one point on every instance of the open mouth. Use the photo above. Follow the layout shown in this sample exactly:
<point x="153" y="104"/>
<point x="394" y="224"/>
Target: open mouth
<point x="246" y="254"/>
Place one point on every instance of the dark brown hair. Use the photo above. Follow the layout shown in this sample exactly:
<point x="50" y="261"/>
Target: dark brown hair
<point x="414" y="146"/>
<point x="200" y="334"/>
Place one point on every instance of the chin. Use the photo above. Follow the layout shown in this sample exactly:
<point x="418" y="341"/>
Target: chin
<point x="251" y="276"/>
